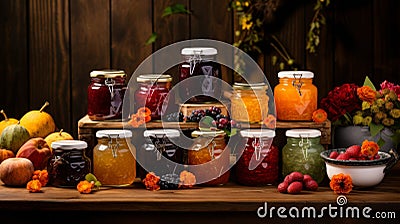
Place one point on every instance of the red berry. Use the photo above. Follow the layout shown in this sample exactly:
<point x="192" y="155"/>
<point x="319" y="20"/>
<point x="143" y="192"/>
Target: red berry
<point x="343" y="156"/>
<point x="353" y="151"/>
<point x="307" y="178"/>
<point x="334" y="155"/>
<point x="311" y="185"/>
<point x="296" y="176"/>
<point x="377" y="156"/>
<point x="282" y="187"/>
<point x="288" y="179"/>
<point x="295" y="187"/>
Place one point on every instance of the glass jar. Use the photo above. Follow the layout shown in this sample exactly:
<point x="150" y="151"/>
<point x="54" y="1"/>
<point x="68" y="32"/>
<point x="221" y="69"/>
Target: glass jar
<point x="259" y="162"/>
<point x="114" y="161"/>
<point x="302" y="153"/>
<point x="209" y="147"/>
<point x="249" y="102"/>
<point x="69" y="164"/>
<point x="105" y="94"/>
<point x="200" y="61"/>
<point x="152" y="93"/>
<point x="159" y="152"/>
<point x="295" y="96"/>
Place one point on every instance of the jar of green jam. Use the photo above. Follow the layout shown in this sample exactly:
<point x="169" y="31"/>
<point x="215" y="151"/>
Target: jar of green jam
<point x="302" y="153"/>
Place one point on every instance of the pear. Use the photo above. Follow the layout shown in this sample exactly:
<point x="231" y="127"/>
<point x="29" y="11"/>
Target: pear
<point x="38" y="122"/>
<point x="57" y="136"/>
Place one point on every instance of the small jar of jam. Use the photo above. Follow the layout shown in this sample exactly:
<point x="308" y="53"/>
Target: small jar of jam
<point x="249" y="102"/>
<point x="259" y="162"/>
<point x="295" y="96"/>
<point x="69" y="164"/>
<point x="152" y="93"/>
<point x="209" y="147"/>
<point x="106" y="94"/>
<point x="114" y="161"/>
<point x="302" y="153"/>
<point x="201" y="62"/>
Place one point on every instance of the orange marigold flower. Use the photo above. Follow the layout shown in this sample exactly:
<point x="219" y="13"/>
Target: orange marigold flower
<point x="369" y="148"/>
<point x="365" y="93"/>
<point x="136" y="120"/>
<point x="34" y="186"/>
<point x="270" y="121"/>
<point x="341" y="183"/>
<point x="42" y="176"/>
<point x="187" y="179"/>
<point x="319" y="116"/>
<point x="151" y="181"/>
<point x="85" y="187"/>
<point x="144" y="112"/>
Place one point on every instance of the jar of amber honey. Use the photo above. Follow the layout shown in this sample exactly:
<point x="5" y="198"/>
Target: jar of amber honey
<point x="114" y="161"/>
<point x="209" y="147"/>
<point x="295" y="96"/>
<point x="249" y="102"/>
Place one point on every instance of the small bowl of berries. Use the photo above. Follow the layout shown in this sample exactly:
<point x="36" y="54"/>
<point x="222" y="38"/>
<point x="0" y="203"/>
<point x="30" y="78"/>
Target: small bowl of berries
<point x="365" y="164"/>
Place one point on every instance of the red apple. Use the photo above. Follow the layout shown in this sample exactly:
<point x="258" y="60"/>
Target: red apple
<point x="37" y="151"/>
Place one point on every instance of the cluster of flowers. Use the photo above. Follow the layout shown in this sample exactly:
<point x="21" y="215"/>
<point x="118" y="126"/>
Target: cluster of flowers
<point x="152" y="181"/>
<point x="40" y="178"/>
<point x="142" y="116"/>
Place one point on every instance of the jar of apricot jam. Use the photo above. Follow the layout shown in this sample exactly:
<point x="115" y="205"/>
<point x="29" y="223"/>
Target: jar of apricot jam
<point x="69" y="164"/>
<point x="105" y="94"/>
<point x="295" y="96"/>
<point x="152" y="93"/>
<point x="249" y="102"/>
<point x="209" y="147"/>
<point x="114" y="161"/>
<point x="259" y="162"/>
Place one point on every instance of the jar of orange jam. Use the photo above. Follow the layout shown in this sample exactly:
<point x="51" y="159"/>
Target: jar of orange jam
<point x="114" y="161"/>
<point x="249" y="102"/>
<point x="295" y="96"/>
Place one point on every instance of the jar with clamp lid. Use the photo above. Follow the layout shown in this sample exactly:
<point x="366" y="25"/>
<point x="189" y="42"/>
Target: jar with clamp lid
<point x="302" y="153"/>
<point x="295" y="96"/>
<point x="114" y="162"/>
<point x="106" y="94"/>
<point x="69" y="164"/>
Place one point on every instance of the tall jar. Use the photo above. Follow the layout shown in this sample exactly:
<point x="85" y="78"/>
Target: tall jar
<point x="259" y="162"/>
<point x="302" y="153"/>
<point x="114" y="162"/>
<point x="209" y="147"/>
<point x="295" y="96"/>
<point x="69" y="164"/>
<point x="152" y="93"/>
<point x="106" y="94"/>
<point x="201" y="62"/>
<point x="249" y="102"/>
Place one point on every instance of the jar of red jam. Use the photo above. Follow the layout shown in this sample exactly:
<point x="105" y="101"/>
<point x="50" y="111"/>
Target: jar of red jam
<point x="209" y="149"/>
<point x="200" y="62"/>
<point x="259" y="162"/>
<point x="106" y="94"/>
<point x="152" y="93"/>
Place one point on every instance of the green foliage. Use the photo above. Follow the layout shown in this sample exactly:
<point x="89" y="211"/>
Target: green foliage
<point x="152" y="38"/>
<point x="175" y="9"/>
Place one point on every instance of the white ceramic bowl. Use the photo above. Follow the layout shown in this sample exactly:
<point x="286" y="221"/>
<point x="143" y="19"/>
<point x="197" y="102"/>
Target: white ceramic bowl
<point x="364" y="173"/>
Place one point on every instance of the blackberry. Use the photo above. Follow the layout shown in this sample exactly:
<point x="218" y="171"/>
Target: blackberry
<point x="196" y="115"/>
<point x="169" y="182"/>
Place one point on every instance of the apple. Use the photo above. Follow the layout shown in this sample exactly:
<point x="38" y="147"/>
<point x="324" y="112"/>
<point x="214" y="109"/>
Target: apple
<point x="37" y="151"/>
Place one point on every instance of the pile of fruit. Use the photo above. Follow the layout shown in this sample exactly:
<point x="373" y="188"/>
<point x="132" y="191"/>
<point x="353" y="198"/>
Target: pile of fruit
<point x="295" y="182"/>
<point x="367" y="151"/>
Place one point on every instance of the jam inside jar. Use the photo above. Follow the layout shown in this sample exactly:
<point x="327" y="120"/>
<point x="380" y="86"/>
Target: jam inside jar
<point x="153" y="93"/>
<point x="106" y="94"/>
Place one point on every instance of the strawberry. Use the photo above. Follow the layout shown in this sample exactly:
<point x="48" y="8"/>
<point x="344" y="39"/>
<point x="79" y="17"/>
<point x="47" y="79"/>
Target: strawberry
<point x="311" y="185"/>
<point x="295" y="187"/>
<point x="296" y="176"/>
<point x="334" y="155"/>
<point x="343" y="156"/>
<point x="354" y="151"/>
<point x="282" y="187"/>
<point x="306" y="178"/>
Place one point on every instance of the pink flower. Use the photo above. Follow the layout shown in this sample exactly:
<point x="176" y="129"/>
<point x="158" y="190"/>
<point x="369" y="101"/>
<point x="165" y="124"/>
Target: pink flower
<point x="391" y="86"/>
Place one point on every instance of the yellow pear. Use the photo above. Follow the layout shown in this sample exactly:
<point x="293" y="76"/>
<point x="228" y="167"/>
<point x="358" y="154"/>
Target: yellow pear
<point x="38" y="122"/>
<point x="6" y="122"/>
<point x="57" y="136"/>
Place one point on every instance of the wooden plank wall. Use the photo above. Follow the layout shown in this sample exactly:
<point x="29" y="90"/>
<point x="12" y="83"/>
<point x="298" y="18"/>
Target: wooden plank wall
<point x="49" y="47"/>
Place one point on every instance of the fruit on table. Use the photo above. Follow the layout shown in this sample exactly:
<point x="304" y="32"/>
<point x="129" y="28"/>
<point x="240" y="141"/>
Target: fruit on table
<point x="13" y="137"/>
<point x="57" y="136"/>
<point x="353" y="152"/>
<point x="16" y="171"/>
<point x="5" y="154"/>
<point x="6" y="122"/>
<point x="37" y="151"/>
<point x="38" y="122"/>
<point x="295" y="182"/>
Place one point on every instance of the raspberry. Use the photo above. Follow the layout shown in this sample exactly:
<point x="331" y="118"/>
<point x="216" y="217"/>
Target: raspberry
<point x="282" y="187"/>
<point x="295" y="187"/>
<point x="334" y="155"/>
<point x="306" y="178"/>
<point x="343" y="156"/>
<point x="354" y="151"/>
<point x="296" y="176"/>
<point x="311" y="185"/>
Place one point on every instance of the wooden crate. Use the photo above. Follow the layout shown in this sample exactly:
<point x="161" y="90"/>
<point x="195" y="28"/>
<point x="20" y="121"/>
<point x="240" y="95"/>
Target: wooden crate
<point x="187" y="108"/>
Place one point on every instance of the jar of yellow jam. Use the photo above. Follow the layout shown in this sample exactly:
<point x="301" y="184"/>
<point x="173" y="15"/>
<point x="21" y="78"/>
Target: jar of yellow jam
<point x="114" y="161"/>
<point x="249" y="102"/>
<point x="295" y="96"/>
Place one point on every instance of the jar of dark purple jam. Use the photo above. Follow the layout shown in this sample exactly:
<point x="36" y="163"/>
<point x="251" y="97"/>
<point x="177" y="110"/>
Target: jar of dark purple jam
<point x="106" y="94"/>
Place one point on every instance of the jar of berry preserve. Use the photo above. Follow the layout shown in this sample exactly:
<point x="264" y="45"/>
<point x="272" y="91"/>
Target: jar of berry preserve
<point x="69" y="164"/>
<point x="302" y="153"/>
<point x="259" y="162"/>
<point x="114" y="161"/>
<point x="295" y="96"/>
<point x="249" y="102"/>
<point x="200" y="62"/>
<point x="209" y="147"/>
<point x="153" y="93"/>
<point x="106" y="94"/>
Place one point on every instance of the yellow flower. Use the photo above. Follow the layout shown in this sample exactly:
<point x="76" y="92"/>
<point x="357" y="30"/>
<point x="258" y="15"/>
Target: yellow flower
<point x="246" y="4"/>
<point x="246" y="23"/>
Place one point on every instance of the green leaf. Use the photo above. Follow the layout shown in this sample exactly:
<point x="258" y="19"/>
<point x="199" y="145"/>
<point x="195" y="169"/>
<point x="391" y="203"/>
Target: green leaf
<point x="369" y="83"/>
<point x="375" y="128"/>
<point x="90" y="177"/>
<point x="97" y="184"/>
<point x="175" y="9"/>
<point x="206" y="123"/>
<point x="152" y="38"/>
<point x="381" y="142"/>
